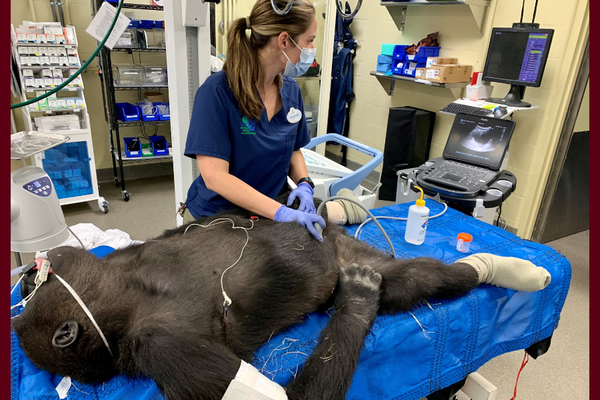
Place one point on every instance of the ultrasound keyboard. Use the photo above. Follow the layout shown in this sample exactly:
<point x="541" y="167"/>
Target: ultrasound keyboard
<point x="456" y="108"/>
<point x="458" y="176"/>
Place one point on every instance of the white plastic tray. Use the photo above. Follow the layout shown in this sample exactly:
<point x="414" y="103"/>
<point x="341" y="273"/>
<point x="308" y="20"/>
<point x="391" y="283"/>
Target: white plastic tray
<point x="25" y="144"/>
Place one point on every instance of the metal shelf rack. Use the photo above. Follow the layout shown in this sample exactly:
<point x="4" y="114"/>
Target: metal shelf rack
<point x="155" y="87"/>
<point x="393" y="78"/>
<point x="125" y="159"/>
<point x="134" y="50"/>
<point x="142" y="123"/>
<point x="109" y="90"/>
<point x="398" y="10"/>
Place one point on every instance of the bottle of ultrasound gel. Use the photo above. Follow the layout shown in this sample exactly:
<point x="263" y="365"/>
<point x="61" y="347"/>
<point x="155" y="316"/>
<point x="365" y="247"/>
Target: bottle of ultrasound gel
<point x="416" y="223"/>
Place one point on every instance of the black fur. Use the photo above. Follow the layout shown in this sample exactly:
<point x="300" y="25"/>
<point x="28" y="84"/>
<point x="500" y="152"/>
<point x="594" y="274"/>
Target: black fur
<point x="161" y="308"/>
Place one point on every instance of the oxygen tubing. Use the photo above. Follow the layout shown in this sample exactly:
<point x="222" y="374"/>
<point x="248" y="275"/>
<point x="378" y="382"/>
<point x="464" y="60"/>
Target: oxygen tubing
<point x="80" y="70"/>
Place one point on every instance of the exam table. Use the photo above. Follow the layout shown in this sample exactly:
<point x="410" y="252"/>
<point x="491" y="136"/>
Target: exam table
<point x="406" y="356"/>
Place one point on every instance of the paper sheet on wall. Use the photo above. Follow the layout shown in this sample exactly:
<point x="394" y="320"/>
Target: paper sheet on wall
<point x="101" y="24"/>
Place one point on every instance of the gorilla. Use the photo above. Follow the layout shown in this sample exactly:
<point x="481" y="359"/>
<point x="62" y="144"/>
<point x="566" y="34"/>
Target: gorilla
<point x="160" y="304"/>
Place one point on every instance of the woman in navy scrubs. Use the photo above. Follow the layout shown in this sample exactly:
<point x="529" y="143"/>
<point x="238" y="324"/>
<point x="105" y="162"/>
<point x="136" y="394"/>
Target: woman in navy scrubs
<point x="248" y="122"/>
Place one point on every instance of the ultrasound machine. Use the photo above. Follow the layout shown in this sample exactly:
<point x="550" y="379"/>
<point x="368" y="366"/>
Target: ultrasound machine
<point x="471" y="161"/>
<point x="470" y="176"/>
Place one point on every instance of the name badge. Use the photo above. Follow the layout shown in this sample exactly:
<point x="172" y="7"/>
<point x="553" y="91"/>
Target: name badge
<point x="293" y="116"/>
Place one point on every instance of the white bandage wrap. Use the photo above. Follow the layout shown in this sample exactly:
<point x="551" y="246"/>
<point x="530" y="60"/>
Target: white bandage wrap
<point x="250" y="384"/>
<point x="509" y="272"/>
<point x="336" y="213"/>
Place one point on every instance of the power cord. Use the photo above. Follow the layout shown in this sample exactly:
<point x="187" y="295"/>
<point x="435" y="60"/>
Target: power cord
<point x="534" y="12"/>
<point x="522" y="12"/>
<point x="76" y="237"/>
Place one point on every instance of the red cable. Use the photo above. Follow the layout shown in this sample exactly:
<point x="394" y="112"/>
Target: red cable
<point x="525" y="361"/>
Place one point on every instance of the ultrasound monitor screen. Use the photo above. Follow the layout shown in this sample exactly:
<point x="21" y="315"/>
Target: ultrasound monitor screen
<point x="517" y="56"/>
<point x="478" y="140"/>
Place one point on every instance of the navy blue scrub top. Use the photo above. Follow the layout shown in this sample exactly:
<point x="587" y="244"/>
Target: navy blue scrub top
<point x="258" y="152"/>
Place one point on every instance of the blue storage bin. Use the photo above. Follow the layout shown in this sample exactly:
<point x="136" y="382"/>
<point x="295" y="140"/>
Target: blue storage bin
<point x="134" y="23"/>
<point x="163" y="116"/>
<point x="67" y="172"/>
<point x="399" y="52"/>
<point x="160" y="147"/>
<point x="127" y="112"/>
<point x="146" y="24"/>
<point x="113" y="1"/>
<point x="148" y="117"/>
<point x="409" y="72"/>
<point x="410" y="68"/>
<point x="397" y="66"/>
<point x="423" y="53"/>
<point x="134" y="152"/>
<point x="159" y="24"/>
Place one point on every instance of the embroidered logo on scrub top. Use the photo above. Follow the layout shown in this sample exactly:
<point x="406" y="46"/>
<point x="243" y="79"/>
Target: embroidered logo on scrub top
<point x="294" y="115"/>
<point x="249" y="128"/>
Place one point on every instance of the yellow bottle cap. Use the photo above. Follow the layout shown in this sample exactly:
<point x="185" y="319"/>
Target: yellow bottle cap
<point x="420" y="202"/>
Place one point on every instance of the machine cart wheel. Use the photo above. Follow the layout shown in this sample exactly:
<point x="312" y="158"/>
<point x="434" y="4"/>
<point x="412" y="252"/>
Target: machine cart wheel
<point x="126" y="195"/>
<point x="103" y="204"/>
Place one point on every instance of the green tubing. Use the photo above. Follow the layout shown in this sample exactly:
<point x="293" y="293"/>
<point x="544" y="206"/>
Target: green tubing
<point x="84" y="66"/>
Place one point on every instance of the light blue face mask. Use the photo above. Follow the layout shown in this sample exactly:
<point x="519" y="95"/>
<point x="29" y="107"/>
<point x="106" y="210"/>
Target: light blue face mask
<point x="307" y="56"/>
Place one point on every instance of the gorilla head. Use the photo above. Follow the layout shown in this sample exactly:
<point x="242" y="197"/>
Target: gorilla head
<point x="55" y="332"/>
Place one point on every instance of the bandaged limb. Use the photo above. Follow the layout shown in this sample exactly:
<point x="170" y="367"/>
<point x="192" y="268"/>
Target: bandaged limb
<point x="341" y="212"/>
<point x="250" y="384"/>
<point x="508" y="272"/>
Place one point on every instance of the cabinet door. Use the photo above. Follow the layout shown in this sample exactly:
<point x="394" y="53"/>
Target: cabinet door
<point x="71" y="169"/>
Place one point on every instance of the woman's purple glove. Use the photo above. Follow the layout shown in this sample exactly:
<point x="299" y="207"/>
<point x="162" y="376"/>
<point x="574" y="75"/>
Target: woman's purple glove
<point x="305" y="193"/>
<point x="286" y="214"/>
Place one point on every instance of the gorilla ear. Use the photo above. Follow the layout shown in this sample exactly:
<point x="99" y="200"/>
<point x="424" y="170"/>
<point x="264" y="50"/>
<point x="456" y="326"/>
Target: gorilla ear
<point x="66" y="334"/>
<point x="64" y="254"/>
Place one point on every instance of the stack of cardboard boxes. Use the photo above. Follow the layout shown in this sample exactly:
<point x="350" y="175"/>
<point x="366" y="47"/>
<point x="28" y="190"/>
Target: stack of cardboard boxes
<point x="444" y="70"/>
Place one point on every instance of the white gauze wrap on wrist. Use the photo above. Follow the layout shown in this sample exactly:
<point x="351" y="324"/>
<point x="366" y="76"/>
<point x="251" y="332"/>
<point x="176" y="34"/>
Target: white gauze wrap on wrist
<point x="250" y="384"/>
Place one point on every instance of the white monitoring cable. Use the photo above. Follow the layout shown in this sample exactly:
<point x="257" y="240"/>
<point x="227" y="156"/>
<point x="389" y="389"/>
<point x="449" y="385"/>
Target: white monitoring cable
<point x="40" y="278"/>
<point x="226" y="300"/>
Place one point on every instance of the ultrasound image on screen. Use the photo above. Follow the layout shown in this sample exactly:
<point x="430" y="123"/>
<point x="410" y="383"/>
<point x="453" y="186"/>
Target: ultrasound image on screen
<point x="480" y="141"/>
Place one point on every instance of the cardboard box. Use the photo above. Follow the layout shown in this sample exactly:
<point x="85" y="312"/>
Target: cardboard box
<point x="431" y="61"/>
<point x="449" y="73"/>
<point x="421" y="73"/>
<point x="155" y="97"/>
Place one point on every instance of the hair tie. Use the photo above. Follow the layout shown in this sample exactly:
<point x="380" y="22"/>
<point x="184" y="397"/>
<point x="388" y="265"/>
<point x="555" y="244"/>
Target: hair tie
<point x="248" y="25"/>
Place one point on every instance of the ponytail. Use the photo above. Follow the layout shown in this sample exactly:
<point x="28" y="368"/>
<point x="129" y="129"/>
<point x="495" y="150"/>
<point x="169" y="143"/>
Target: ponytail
<point x="248" y="35"/>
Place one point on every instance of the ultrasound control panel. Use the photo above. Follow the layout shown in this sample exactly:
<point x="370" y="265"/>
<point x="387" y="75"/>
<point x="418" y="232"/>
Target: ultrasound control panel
<point x="456" y="176"/>
<point x="40" y="187"/>
<point x="501" y="185"/>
